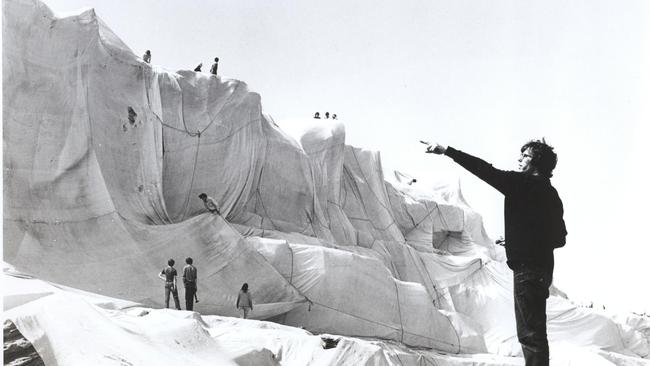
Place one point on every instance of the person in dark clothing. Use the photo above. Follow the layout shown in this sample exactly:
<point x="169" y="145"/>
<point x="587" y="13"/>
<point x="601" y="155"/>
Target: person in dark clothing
<point x="147" y="56"/>
<point x="198" y="67"/>
<point x="534" y="227"/>
<point x="168" y="274"/>
<point x="215" y="66"/>
<point x="189" y="281"/>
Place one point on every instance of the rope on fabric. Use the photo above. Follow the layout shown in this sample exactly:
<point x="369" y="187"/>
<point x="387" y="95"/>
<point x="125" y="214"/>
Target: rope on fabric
<point x="355" y="188"/>
<point x="57" y="222"/>
<point x="198" y="133"/>
<point x="185" y="128"/>
<point x="399" y="312"/>
<point x="186" y="204"/>
<point x="440" y="341"/>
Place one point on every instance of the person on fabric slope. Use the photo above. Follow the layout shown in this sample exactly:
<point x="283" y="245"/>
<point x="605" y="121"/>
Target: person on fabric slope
<point x="210" y="204"/>
<point x="168" y="274"/>
<point x="534" y="227"/>
<point x="244" y="301"/>
<point x="189" y="281"/>
<point x="147" y="57"/>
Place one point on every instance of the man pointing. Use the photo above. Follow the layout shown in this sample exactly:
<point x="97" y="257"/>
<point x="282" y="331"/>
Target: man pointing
<point x="534" y="227"/>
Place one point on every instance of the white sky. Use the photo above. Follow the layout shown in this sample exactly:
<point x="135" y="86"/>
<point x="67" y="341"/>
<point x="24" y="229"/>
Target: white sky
<point x="482" y="76"/>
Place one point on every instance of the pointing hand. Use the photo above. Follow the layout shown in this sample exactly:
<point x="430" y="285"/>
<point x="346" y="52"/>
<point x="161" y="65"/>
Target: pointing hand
<point x="438" y="149"/>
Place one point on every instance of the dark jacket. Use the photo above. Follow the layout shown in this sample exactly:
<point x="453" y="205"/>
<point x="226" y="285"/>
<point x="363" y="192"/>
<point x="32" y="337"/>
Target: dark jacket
<point x="189" y="276"/>
<point x="533" y="212"/>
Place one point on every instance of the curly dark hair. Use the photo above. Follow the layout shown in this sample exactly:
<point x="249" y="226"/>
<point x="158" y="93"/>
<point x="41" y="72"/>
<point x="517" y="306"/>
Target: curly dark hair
<point x="544" y="158"/>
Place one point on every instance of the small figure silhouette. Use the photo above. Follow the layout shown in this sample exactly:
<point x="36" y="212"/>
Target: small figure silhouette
<point x="198" y="68"/>
<point x="327" y="115"/>
<point x="215" y="66"/>
<point x="147" y="57"/>
<point x="317" y="115"/>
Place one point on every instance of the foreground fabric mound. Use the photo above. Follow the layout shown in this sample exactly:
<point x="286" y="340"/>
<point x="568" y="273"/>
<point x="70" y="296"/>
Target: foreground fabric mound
<point x="133" y="335"/>
<point x="104" y="158"/>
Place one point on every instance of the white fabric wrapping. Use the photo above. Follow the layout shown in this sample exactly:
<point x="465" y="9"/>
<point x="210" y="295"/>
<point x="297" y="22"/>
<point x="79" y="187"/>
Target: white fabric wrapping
<point x="105" y="155"/>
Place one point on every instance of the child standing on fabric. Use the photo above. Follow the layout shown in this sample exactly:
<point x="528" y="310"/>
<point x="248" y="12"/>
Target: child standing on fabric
<point x="244" y="301"/>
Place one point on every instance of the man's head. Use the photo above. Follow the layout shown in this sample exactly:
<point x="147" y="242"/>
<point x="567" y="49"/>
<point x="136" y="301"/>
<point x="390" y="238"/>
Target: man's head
<point x="203" y="196"/>
<point x="537" y="157"/>
<point x="171" y="262"/>
<point x="216" y="59"/>
<point x="148" y="52"/>
<point x="188" y="260"/>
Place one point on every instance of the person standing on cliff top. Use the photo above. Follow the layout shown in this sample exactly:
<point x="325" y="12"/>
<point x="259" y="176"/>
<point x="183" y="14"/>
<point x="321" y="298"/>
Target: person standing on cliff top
<point x="534" y="227"/>
<point x="210" y="204"/>
<point x="215" y="66"/>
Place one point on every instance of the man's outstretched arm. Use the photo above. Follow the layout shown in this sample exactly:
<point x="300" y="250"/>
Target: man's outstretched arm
<point x="498" y="179"/>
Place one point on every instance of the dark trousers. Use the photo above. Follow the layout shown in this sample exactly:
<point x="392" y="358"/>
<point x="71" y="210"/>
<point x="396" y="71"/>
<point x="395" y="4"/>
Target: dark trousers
<point x="169" y="287"/>
<point x="190" y="291"/>
<point x="530" y="292"/>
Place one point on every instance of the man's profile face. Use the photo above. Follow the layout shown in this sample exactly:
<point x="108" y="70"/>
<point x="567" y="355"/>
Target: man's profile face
<point x="524" y="161"/>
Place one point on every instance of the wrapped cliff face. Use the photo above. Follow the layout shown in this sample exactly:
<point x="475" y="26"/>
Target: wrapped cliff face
<point x="104" y="159"/>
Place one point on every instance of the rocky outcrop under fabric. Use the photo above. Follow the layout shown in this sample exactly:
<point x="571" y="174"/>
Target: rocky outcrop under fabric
<point x="105" y="155"/>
